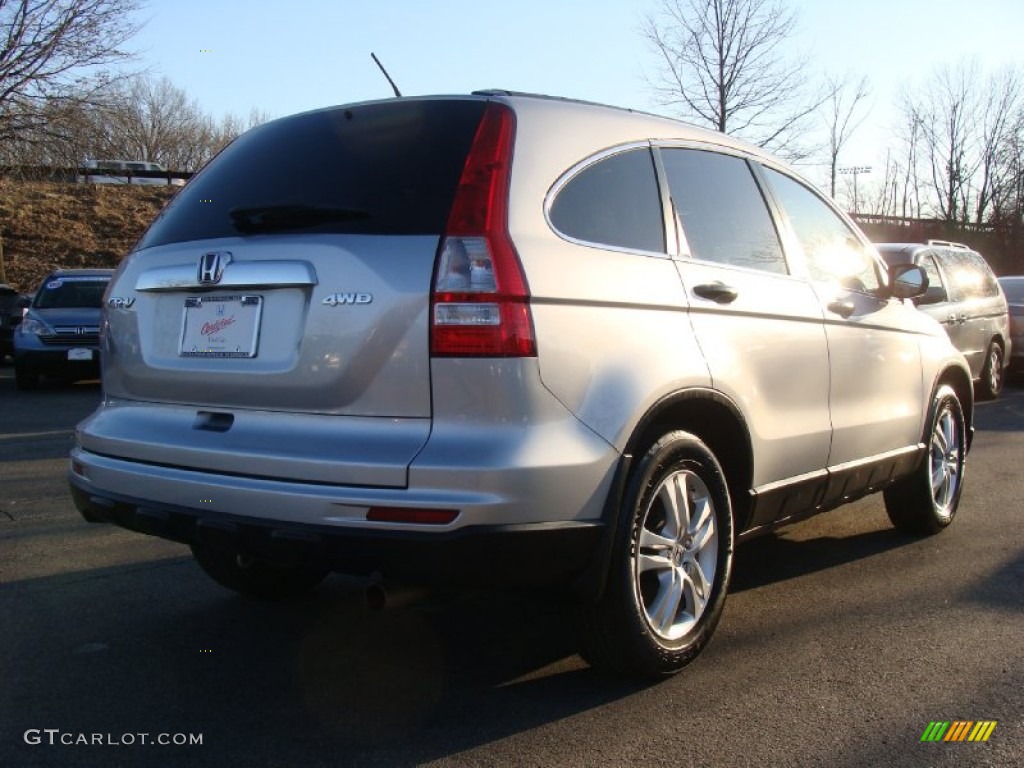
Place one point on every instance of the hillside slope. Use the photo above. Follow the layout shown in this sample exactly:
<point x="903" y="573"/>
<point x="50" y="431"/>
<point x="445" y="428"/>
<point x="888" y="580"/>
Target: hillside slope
<point x="47" y="225"/>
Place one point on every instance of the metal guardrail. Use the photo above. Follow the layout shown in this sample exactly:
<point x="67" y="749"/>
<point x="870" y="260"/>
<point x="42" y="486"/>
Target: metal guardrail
<point x="88" y="175"/>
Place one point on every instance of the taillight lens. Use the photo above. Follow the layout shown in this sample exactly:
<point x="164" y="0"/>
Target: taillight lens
<point x="480" y="301"/>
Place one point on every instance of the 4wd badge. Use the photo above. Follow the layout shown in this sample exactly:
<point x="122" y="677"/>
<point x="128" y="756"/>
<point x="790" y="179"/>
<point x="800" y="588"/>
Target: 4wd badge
<point x="335" y="299"/>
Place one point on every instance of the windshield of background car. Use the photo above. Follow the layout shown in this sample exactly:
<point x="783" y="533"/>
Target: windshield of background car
<point x="68" y="292"/>
<point x="391" y="166"/>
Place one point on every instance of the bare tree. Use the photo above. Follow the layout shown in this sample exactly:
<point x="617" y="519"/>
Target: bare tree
<point x="55" y="52"/>
<point x="1000" y="109"/>
<point x="720" y="64"/>
<point x="843" y="114"/>
<point x="152" y="119"/>
<point x="947" y="111"/>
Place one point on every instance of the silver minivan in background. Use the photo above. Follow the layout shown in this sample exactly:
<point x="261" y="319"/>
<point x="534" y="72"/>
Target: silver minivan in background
<point x="500" y="338"/>
<point x="964" y="295"/>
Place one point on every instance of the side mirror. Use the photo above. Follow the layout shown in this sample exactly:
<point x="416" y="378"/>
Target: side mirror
<point x="23" y="302"/>
<point x="907" y="281"/>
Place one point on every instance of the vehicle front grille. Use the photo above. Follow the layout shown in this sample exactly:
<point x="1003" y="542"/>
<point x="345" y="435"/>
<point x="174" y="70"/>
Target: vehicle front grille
<point x="79" y="336"/>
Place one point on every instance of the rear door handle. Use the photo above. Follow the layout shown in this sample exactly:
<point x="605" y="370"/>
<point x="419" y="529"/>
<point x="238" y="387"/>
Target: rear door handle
<point x="718" y="292"/>
<point x="842" y="308"/>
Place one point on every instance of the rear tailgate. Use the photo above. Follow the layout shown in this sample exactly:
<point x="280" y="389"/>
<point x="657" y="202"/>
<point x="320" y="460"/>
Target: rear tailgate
<point x="274" y="318"/>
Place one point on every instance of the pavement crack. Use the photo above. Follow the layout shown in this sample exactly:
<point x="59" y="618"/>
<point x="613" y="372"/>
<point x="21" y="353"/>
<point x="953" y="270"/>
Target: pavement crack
<point x="5" y="513"/>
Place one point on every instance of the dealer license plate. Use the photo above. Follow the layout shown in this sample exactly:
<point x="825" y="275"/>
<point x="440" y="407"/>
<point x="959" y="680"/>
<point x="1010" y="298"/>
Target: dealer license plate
<point x="221" y="326"/>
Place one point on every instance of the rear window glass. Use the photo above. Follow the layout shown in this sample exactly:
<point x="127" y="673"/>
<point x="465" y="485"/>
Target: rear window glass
<point x="1014" y="290"/>
<point x="385" y="168"/>
<point x="67" y="292"/>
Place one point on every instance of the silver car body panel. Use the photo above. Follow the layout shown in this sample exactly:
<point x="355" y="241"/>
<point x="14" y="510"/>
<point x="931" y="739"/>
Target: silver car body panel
<point x="366" y="359"/>
<point x="484" y="458"/>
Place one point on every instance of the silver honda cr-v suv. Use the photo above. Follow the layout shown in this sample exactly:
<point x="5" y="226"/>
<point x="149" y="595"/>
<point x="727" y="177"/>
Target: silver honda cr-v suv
<point x="506" y="338"/>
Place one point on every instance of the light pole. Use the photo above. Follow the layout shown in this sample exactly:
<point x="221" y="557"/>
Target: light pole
<point x="855" y="171"/>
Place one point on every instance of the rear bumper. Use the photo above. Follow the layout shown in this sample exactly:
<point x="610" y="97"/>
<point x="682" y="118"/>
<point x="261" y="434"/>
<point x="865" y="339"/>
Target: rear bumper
<point x="529" y="554"/>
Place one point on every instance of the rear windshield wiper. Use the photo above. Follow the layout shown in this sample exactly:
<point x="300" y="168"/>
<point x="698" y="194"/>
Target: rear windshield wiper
<point x="269" y="218"/>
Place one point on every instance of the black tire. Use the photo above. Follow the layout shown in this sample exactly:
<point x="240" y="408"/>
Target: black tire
<point x="24" y="379"/>
<point x="255" y="578"/>
<point x="992" y="376"/>
<point x="650" y="621"/>
<point x="926" y="501"/>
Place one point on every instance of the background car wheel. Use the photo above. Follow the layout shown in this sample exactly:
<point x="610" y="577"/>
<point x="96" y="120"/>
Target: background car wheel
<point x="25" y="379"/>
<point x="991" y="383"/>
<point x="670" y="566"/>
<point x="253" y="577"/>
<point x="926" y="501"/>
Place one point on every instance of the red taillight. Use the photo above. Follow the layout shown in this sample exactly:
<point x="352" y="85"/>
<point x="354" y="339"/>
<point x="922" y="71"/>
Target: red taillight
<point x="480" y="303"/>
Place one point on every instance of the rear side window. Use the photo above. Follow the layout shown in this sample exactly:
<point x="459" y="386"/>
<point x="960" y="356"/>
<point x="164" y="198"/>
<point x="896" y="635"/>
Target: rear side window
<point x="613" y="202"/>
<point x="722" y="211"/>
<point x="71" y="292"/>
<point x="384" y="168"/>
<point x="969" y="275"/>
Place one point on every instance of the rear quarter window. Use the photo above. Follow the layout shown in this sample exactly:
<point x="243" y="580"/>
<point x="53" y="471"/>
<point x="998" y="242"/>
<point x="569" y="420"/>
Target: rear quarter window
<point x="398" y="162"/>
<point x="614" y="202"/>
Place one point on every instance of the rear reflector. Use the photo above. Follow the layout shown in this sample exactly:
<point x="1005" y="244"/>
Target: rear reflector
<point x="480" y="301"/>
<point x="406" y="515"/>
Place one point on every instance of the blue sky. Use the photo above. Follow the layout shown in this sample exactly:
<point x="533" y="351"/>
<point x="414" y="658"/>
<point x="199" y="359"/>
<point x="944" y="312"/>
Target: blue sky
<point x="280" y="58"/>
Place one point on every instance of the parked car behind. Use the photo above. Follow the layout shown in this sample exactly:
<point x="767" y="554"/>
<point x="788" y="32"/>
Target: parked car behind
<point x="509" y="338"/>
<point x="59" y="335"/>
<point x="12" y="305"/>
<point x="129" y="173"/>
<point x="1013" y="289"/>
<point x="964" y="295"/>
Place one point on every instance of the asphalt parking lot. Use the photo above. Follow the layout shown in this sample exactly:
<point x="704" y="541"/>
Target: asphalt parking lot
<point x="841" y="641"/>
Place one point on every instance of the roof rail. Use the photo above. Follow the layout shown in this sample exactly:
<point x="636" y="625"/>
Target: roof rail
<point x="949" y="244"/>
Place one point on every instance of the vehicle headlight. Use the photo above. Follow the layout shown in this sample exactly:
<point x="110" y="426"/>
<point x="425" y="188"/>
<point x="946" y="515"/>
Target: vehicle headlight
<point x="33" y="325"/>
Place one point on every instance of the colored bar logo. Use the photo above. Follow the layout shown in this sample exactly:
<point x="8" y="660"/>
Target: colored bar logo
<point x="959" y="730"/>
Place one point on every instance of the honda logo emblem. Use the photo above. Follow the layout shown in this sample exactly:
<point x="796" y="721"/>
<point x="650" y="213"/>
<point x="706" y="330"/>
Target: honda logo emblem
<point x="211" y="266"/>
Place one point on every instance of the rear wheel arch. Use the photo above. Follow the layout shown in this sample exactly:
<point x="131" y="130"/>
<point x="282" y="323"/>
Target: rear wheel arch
<point x="718" y="422"/>
<point x="709" y="416"/>
<point x="963" y="386"/>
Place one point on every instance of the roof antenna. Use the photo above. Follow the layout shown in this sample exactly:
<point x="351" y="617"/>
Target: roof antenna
<point x="393" y="86"/>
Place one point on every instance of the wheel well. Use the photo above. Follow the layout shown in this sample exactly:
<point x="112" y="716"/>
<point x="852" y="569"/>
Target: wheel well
<point x="964" y="388"/>
<point x="717" y="422"/>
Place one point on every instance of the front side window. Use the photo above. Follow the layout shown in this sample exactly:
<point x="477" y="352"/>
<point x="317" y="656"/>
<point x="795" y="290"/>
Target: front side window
<point x="831" y="249"/>
<point x="721" y="210"/>
<point x="613" y="202"/>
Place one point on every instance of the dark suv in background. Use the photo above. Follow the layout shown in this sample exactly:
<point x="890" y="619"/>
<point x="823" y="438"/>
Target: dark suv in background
<point x="964" y="295"/>
<point x="60" y="332"/>
<point x="11" y="305"/>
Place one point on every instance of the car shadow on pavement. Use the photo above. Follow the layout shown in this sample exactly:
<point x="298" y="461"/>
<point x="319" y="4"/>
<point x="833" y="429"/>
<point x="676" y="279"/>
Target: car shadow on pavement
<point x="773" y="557"/>
<point x="164" y="650"/>
<point x="1002" y="415"/>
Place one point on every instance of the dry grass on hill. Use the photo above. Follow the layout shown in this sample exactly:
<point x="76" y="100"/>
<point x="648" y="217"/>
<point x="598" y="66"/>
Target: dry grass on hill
<point x="47" y="225"/>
